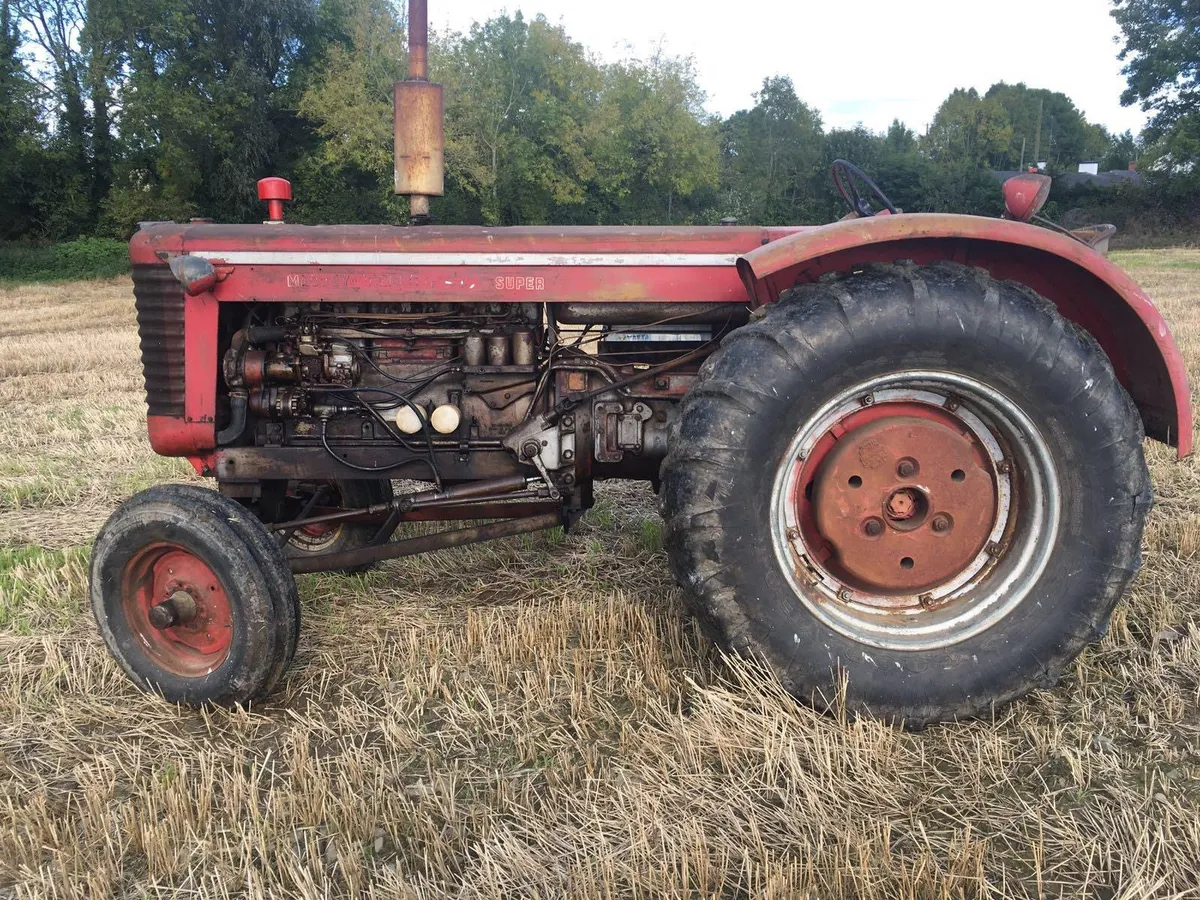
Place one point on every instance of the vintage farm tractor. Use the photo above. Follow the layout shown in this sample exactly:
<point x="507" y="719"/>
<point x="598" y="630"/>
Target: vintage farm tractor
<point x="903" y="450"/>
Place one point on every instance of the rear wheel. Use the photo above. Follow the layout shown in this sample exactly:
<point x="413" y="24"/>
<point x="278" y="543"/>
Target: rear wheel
<point x="920" y="479"/>
<point x="293" y="497"/>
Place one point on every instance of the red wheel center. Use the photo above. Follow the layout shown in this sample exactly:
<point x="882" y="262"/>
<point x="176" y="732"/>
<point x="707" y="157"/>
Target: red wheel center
<point x="178" y="609"/>
<point x="902" y="505"/>
<point x="897" y="498"/>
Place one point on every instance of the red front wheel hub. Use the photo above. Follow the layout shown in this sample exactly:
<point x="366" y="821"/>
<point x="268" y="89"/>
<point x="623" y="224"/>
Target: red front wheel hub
<point x="177" y="609"/>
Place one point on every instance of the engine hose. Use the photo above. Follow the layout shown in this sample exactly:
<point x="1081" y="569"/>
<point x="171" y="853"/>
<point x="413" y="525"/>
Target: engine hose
<point x="237" y="418"/>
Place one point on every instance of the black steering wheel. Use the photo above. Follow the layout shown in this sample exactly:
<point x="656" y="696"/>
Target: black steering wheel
<point x="844" y="176"/>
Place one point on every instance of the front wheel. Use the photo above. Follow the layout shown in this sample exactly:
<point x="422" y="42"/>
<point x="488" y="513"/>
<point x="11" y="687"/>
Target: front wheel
<point x="922" y="480"/>
<point x="193" y="597"/>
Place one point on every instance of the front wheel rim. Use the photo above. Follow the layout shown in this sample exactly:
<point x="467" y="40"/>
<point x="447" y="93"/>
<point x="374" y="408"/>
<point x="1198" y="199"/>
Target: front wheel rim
<point x="177" y="610"/>
<point x="980" y="541"/>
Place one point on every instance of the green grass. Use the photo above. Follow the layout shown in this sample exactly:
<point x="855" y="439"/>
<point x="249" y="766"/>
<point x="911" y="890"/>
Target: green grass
<point x="82" y="258"/>
<point x="41" y="588"/>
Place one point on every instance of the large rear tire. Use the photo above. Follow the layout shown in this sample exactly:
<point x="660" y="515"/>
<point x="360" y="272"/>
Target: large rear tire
<point x="921" y="480"/>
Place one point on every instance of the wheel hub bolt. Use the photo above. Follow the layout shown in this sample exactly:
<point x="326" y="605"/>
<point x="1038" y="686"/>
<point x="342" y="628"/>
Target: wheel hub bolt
<point x="940" y="523"/>
<point x="872" y="527"/>
<point x="906" y="469"/>
<point x="177" y="609"/>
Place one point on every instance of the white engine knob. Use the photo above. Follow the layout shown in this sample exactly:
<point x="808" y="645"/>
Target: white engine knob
<point x="407" y="419"/>
<point x="445" y="419"/>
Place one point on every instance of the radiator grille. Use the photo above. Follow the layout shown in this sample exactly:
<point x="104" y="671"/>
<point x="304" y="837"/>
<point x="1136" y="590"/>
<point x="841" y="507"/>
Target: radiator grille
<point x="158" y="297"/>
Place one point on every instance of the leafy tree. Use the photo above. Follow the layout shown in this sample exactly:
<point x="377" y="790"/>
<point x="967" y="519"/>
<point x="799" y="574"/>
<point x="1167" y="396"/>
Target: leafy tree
<point x="54" y="27"/>
<point x="347" y="177"/>
<point x="900" y="138"/>
<point x="656" y="153"/>
<point x="20" y="132"/>
<point x="206" y="106"/>
<point x="1122" y="150"/>
<point x="969" y="130"/>
<point x="518" y="126"/>
<point x="1161" y="52"/>
<point x="772" y="156"/>
<point x="1066" y="137"/>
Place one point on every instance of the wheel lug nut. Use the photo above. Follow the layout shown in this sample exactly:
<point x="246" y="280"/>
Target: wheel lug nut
<point x="872" y="527"/>
<point x="906" y="469"/>
<point x="940" y="523"/>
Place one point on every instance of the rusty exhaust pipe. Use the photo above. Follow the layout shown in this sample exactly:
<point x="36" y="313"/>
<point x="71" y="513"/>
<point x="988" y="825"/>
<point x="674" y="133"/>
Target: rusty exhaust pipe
<point x="418" y="40"/>
<point x="419" y="164"/>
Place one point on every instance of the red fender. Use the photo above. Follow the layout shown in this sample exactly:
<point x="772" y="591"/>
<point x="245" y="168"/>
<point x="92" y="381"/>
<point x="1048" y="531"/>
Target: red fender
<point x="1086" y="287"/>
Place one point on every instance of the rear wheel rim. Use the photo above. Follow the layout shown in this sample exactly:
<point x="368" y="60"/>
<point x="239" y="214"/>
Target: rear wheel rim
<point x="914" y="510"/>
<point x="168" y="574"/>
<point x="318" y="538"/>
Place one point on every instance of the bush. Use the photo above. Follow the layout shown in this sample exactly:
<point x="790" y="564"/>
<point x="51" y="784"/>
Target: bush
<point x="87" y="257"/>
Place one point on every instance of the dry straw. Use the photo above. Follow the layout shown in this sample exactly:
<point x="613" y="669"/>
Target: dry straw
<point x="535" y="717"/>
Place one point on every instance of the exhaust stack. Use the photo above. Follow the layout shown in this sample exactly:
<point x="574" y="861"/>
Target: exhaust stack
<point x="420" y="167"/>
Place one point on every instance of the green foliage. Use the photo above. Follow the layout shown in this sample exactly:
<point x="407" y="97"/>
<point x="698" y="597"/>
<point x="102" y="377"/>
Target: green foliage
<point x="68" y="261"/>
<point x="774" y="156"/>
<point x="1065" y="139"/>
<point x="20" y="132"/>
<point x="656" y="152"/>
<point x="969" y="130"/>
<point x="167" y="109"/>
<point x="1121" y="152"/>
<point x="1161" y="51"/>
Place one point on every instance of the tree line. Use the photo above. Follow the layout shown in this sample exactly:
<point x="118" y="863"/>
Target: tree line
<point x="118" y="111"/>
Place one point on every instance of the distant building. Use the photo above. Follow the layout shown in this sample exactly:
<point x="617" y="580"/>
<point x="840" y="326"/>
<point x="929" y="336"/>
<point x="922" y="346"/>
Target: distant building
<point x="1089" y="168"/>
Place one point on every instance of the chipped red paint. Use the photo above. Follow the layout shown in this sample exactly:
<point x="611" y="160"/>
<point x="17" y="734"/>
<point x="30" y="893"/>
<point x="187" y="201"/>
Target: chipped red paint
<point x="1086" y="287"/>
<point x="560" y="280"/>
<point x="190" y="648"/>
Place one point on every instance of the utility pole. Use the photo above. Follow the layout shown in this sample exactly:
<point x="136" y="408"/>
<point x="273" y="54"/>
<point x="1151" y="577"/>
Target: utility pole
<point x="1022" y="166"/>
<point x="1037" y="141"/>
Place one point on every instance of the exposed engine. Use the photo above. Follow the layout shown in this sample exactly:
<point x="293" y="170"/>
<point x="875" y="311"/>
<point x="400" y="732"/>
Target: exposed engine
<point x="455" y="393"/>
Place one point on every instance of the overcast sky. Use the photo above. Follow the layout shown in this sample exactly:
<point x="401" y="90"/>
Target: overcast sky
<point x="917" y="52"/>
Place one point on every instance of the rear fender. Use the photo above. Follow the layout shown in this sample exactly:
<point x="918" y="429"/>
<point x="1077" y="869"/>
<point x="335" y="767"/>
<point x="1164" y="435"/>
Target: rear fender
<point x="1086" y="287"/>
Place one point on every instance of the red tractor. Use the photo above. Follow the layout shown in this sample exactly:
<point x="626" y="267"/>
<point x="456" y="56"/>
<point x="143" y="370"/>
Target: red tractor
<point x="903" y="450"/>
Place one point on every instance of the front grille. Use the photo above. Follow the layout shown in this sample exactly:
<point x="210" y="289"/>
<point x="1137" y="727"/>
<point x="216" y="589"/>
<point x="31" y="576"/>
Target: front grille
<point x="158" y="297"/>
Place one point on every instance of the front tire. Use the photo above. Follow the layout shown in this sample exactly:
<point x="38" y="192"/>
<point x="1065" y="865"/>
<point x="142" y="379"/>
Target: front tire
<point x="190" y="597"/>
<point x="921" y="479"/>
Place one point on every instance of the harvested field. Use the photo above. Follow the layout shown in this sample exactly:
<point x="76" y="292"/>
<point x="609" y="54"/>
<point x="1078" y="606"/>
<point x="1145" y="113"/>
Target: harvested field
<point x="536" y="717"/>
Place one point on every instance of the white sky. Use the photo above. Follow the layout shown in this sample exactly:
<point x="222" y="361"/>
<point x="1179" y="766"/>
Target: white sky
<point x="919" y="50"/>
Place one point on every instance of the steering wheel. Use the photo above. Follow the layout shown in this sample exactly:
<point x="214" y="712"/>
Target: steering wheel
<point x="844" y="176"/>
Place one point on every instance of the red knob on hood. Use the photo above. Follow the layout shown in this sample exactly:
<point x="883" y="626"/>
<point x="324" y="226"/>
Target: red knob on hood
<point x="274" y="191"/>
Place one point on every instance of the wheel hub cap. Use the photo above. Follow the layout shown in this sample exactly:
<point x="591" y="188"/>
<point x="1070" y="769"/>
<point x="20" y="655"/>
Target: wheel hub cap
<point x="915" y="509"/>
<point x="904" y="501"/>
<point x="178" y="610"/>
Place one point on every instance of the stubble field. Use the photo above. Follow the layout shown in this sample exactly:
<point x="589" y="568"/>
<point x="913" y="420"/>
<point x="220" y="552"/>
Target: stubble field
<point x="536" y="717"/>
